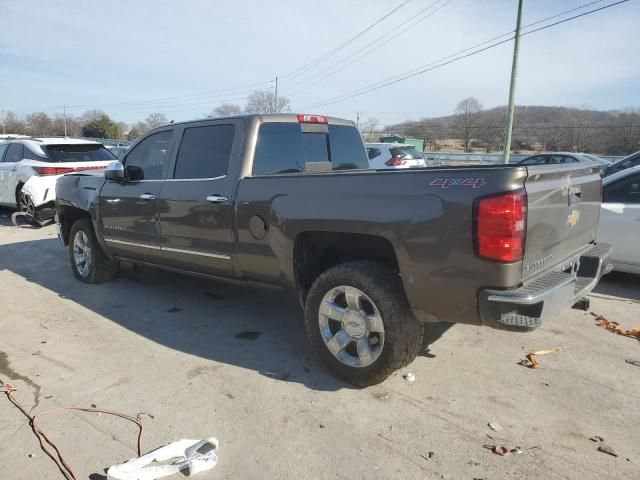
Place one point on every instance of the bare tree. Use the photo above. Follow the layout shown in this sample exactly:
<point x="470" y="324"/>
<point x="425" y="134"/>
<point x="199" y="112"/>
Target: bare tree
<point x="39" y="123"/>
<point x="493" y="128"/>
<point x="226" y="110"/>
<point x="467" y="117"/>
<point x="577" y="131"/>
<point x="14" y="124"/>
<point x="369" y="128"/>
<point x="137" y="130"/>
<point x="156" y="120"/>
<point x="625" y="131"/>
<point x="264" y="101"/>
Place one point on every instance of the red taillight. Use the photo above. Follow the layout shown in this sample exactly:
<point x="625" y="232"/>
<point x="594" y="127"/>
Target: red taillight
<point x="395" y="161"/>
<point x="63" y="170"/>
<point x="53" y="170"/>
<point x="303" y="118"/>
<point x="501" y="226"/>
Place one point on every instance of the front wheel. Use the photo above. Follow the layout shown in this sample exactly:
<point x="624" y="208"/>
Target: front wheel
<point x="359" y="323"/>
<point x="88" y="262"/>
<point x="27" y="208"/>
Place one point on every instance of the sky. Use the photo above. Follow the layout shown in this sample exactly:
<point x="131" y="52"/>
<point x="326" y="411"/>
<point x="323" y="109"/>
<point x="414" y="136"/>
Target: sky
<point x="131" y="58"/>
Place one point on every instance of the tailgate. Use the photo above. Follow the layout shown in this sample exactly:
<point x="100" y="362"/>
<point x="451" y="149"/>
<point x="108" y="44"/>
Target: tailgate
<point x="563" y="213"/>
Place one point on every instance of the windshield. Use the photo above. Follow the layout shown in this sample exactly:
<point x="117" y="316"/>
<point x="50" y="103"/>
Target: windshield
<point x="78" y="153"/>
<point x="408" y="153"/>
<point x="622" y="164"/>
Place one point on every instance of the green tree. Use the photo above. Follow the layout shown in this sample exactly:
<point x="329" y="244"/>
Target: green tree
<point x="101" y="126"/>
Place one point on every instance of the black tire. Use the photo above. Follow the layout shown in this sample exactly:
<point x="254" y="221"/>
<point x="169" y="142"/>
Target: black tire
<point x="402" y="332"/>
<point x="101" y="269"/>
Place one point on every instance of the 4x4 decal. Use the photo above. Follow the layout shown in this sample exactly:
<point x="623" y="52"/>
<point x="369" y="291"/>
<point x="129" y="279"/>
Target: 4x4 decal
<point x="475" y="182"/>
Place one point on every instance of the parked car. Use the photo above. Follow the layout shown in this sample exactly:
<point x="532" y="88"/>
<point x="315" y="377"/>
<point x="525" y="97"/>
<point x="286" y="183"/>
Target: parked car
<point x="30" y="167"/>
<point x="118" y="151"/>
<point x="383" y="156"/>
<point x="290" y="200"/>
<point x="560" y="157"/>
<point x="622" y="164"/>
<point x="597" y="159"/>
<point x="620" y="219"/>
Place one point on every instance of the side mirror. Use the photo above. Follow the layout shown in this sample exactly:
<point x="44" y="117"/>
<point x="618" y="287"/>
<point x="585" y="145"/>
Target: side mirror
<point x="114" y="171"/>
<point x="133" y="173"/>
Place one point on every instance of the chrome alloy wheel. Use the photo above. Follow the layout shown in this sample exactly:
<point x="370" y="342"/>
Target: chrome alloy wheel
<point x="82" y="253"/>
<point x="25" y="205"/>
<point x="351" y="326"/>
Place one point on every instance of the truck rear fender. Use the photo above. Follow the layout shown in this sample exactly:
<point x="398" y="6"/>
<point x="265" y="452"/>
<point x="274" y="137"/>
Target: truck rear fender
<point x="316" y="251"/>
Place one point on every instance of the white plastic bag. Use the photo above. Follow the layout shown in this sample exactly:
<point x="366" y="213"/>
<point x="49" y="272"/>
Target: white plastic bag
<point x="189" y="456"/>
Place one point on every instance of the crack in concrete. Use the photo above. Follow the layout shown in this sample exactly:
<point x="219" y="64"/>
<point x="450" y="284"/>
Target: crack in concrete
<point x="6" y="370"/>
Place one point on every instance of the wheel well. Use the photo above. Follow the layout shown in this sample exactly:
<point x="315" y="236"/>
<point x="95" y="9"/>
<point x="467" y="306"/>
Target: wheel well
<point x="18" y="188"/>
<point x="67" y="216"/>
<point x="315" y="252"/>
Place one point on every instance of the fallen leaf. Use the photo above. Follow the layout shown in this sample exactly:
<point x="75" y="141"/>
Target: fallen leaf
<point x="531" y="361"/>
<point x="615" y="327"/>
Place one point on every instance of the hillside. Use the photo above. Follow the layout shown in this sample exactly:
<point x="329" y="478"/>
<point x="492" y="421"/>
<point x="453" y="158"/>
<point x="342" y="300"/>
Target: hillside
<point x="535" y="128"/>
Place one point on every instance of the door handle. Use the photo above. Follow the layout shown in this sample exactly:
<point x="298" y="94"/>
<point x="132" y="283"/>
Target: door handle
<point x="147" y="196"/>
<point x="217" y="199"/>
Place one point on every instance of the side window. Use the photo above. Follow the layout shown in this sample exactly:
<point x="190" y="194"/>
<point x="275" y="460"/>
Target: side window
<point x="373" y="153"/>
<point x="625" y="190"/>
<point x="347" y="149"/>
<point x="536" y="160"/>
<point x="151" y="155"/>
<point x="278" y="149"/>
<point x="29" y="155"/>
<point x="14" y="153"/>
<point x="204" y="151"/>
<point x="3" y="148"/>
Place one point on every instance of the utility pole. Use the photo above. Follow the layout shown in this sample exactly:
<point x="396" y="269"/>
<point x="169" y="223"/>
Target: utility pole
<point x="512" y="88"/>
<point x="275" y="107"/>
<point x="358" y="120"/>
<point x="64" y="109"/>
<point x="3" y="129"/>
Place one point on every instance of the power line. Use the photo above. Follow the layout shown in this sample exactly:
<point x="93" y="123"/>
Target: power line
<point x="170" y="100"/>
<point x="416" y="20"/>
<point x="501" y="127"/>
<point x="300" y="70"/>
<point x="456" y="56"/>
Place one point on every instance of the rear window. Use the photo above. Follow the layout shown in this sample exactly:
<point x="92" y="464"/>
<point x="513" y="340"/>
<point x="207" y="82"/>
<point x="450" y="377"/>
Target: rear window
<point x="78" y="153"/>
<point x="408" y="153"/>
<point x="284" y="148"/>
<point x="204" y="152"/>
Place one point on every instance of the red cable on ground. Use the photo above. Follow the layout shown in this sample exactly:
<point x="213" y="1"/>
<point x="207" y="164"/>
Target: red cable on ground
<point x="53" y="452"/>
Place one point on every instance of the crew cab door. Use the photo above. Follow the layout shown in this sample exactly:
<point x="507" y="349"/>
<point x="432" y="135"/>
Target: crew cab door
<point x="129" y="208"/>
<point x="196" y="201"/>
<point x="620" y="219"/>
<point x="8" y="172"/>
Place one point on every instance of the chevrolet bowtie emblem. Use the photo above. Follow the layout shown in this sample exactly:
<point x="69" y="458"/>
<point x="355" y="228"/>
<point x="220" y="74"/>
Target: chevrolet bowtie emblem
<point x="573" y="218"/>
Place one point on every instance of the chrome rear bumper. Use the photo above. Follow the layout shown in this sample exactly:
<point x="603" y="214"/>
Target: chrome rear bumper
<point x="545" y="296"/>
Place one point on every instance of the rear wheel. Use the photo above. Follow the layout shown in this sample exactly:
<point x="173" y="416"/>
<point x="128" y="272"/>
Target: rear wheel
<point x="359" y="323"/>
<point x="88" y="261"/>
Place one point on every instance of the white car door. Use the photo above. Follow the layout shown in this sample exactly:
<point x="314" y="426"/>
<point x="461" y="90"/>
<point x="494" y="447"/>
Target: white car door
<point x="620" y="221"/>
<point x="8" y="173"/>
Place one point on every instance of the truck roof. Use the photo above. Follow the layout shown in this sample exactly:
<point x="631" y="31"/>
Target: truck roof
<point x="274" y="117"/>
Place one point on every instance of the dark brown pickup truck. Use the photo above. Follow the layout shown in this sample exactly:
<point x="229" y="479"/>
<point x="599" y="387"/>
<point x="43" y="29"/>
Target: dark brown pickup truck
<point x="373" y="255"/>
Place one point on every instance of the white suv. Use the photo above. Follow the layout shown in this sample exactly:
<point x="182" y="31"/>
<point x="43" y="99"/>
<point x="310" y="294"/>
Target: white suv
<point x="394" y="155"/>
<point x="30" y="167"/>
